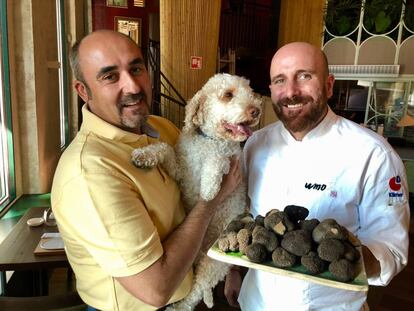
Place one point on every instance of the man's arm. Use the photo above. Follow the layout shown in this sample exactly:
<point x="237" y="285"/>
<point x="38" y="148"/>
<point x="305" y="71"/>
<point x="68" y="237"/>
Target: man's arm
<point x="384" y="218"/>
<point x="156" y="284"/>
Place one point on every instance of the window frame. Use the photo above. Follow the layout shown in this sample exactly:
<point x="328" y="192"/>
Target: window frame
<point x="6" y="131"/>
<point x="63" y="75"/>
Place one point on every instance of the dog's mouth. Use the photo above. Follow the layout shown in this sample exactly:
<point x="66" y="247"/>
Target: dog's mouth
<point x="239" y="129"/>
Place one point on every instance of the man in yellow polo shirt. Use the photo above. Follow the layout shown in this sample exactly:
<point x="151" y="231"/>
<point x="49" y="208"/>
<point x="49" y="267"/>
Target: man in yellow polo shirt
<point x="126" y="235"/>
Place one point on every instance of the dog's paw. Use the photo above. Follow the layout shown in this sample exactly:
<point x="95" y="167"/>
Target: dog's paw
<point x="207" y="196"/>
<point x="209" y="189"/>
<point x="208" y="298"/>
<point x="144" y="158"/>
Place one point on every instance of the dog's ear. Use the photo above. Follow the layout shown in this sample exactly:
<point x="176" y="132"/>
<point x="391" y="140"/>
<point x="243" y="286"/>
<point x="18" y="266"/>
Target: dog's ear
<point x="194" y="112"/>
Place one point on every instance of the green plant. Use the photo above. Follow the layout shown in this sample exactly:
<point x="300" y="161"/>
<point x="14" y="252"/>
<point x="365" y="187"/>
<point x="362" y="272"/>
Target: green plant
<point x="341" y="16"/>
<point x="381" y="15"/>
<point x="409" y="14"/>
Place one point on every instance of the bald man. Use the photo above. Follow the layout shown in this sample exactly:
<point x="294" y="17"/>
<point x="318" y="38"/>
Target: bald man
<point x="362" y="184"/>
<point x="126" y="236"/>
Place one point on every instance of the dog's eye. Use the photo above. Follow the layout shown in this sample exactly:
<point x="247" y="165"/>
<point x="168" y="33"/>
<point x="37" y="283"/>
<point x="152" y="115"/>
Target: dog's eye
<point x="228" y="95"/>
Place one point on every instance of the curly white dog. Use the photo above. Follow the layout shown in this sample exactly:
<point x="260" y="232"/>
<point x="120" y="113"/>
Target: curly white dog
<point x="217" y="119"/>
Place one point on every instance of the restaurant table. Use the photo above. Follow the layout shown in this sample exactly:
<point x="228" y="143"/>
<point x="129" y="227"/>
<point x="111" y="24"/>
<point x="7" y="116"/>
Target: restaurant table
<point x="17" y="251"/>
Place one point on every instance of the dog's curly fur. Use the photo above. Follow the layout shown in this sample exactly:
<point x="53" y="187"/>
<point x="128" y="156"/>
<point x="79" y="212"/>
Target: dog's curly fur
<point x="217" y="119"/>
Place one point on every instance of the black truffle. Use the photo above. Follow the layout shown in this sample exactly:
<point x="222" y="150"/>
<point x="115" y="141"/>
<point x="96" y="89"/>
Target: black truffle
<point x="331" y="249"/>
<point x="228" y="242"/>
<point x="297" y="242"/>
<point x="259" y="220"/>
<point x="343" y="270"/>
<point x="308" y="224"/>
<point x="351" y="253"/>
<point x="279" y="222"/>
<point x="245" y="217"/>
<point x="223" y="243"/>
<point x="234" y="225"/>
<point x="256" y="252"/>
<point x="296" y="213"/>
<point x="329" y="229"/>
<point x="313" y="263"/>
<point x="244" y="238"/>
<point x="250" y="225"/>
<point x="266" y="237"/>
<point x="273" y="210"/>
<point x="282" y="258"/>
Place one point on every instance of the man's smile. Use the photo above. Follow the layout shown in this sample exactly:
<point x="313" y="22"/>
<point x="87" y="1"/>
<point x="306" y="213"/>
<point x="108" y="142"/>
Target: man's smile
<point x="293" y="106"/>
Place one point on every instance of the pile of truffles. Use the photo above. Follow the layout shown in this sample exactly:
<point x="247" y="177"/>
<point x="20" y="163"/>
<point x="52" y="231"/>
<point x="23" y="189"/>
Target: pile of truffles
<point x="288" y="239"/>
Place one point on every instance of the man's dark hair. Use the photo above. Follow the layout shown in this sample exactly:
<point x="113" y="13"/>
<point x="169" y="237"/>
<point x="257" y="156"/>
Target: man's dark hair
<point x="74" y="61"/>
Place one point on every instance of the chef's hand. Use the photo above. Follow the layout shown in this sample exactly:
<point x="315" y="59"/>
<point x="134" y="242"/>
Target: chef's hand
<point x="232" y="286"/>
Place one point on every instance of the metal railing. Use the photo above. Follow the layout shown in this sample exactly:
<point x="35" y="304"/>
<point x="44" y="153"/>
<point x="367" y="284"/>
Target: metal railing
<point x="167" y="100"/>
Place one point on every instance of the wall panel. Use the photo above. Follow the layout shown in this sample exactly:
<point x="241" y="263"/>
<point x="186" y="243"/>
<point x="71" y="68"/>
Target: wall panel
<point x="34" y="80"/>
<point x="189" y="28"/>
<point x="47" y="90"/>
<point x="301" y="20"/>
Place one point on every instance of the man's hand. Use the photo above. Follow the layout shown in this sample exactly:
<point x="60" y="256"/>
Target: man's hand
<point x="232" y="286"/>
<point x="372" y="265"/>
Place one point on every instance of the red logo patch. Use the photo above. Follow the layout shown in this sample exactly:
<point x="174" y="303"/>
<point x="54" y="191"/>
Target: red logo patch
<point x="395" y="183"/>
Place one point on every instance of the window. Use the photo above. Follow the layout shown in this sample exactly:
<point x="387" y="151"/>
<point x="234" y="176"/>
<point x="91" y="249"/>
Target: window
<point x="370" y="32"/>
<point x="7" y="185"/>
<point x="63" y="81"/>
<point x="384" y="105"/>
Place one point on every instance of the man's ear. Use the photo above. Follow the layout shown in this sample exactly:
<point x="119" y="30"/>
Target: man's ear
<point x="82" y="90"/>
<point x="330" y="80"/>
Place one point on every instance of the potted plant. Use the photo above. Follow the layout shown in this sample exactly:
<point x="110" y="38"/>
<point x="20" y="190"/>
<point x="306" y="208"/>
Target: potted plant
<point x="409" y="14"/>
<point x="381" y="16"/>
<point x="341" y="16"/>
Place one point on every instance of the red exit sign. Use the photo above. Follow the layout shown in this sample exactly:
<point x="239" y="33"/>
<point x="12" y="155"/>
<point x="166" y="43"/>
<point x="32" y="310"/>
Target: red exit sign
<point x="196" y="62"/>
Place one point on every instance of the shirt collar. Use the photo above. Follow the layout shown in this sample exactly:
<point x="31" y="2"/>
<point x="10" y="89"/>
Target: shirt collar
<point x="92" y="123"/>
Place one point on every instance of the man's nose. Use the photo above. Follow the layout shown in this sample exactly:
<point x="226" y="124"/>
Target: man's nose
<point x="130" y="84"/>
<point x="291" y="89"/>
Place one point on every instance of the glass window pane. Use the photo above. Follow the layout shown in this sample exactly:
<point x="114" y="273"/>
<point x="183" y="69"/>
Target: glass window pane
<point x="63" y="80"/>
<point x="3" y="152"/>
<point x="7" y="187"/>
<point x="386" y="107"/>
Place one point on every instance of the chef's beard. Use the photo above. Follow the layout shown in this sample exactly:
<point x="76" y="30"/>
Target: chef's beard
<point x="303" y="119"/>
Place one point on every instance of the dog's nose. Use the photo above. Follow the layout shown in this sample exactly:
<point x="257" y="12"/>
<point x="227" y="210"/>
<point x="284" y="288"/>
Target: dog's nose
<point x="254" y="112"/>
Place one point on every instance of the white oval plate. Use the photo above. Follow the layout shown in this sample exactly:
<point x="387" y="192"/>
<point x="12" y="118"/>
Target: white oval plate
<point x="55" y="243"/>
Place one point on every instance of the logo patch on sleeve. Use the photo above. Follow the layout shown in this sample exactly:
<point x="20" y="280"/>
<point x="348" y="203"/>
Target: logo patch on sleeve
<point x="395" y="183"/>
<point x="395" y="194"/>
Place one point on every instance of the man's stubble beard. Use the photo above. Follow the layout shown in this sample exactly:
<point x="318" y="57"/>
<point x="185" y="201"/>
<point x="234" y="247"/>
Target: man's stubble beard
<point x="138" y="119"/>
<point x="299" y="121"/>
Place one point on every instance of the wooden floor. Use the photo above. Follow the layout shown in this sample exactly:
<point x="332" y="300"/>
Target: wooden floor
<point x="399" y="294"/>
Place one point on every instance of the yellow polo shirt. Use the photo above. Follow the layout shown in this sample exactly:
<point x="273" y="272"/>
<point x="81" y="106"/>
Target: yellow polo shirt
<point x="112" y="215"/>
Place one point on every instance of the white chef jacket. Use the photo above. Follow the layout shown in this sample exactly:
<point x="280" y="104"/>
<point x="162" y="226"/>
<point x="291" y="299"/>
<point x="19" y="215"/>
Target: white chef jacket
<point x="339" y="170"/>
